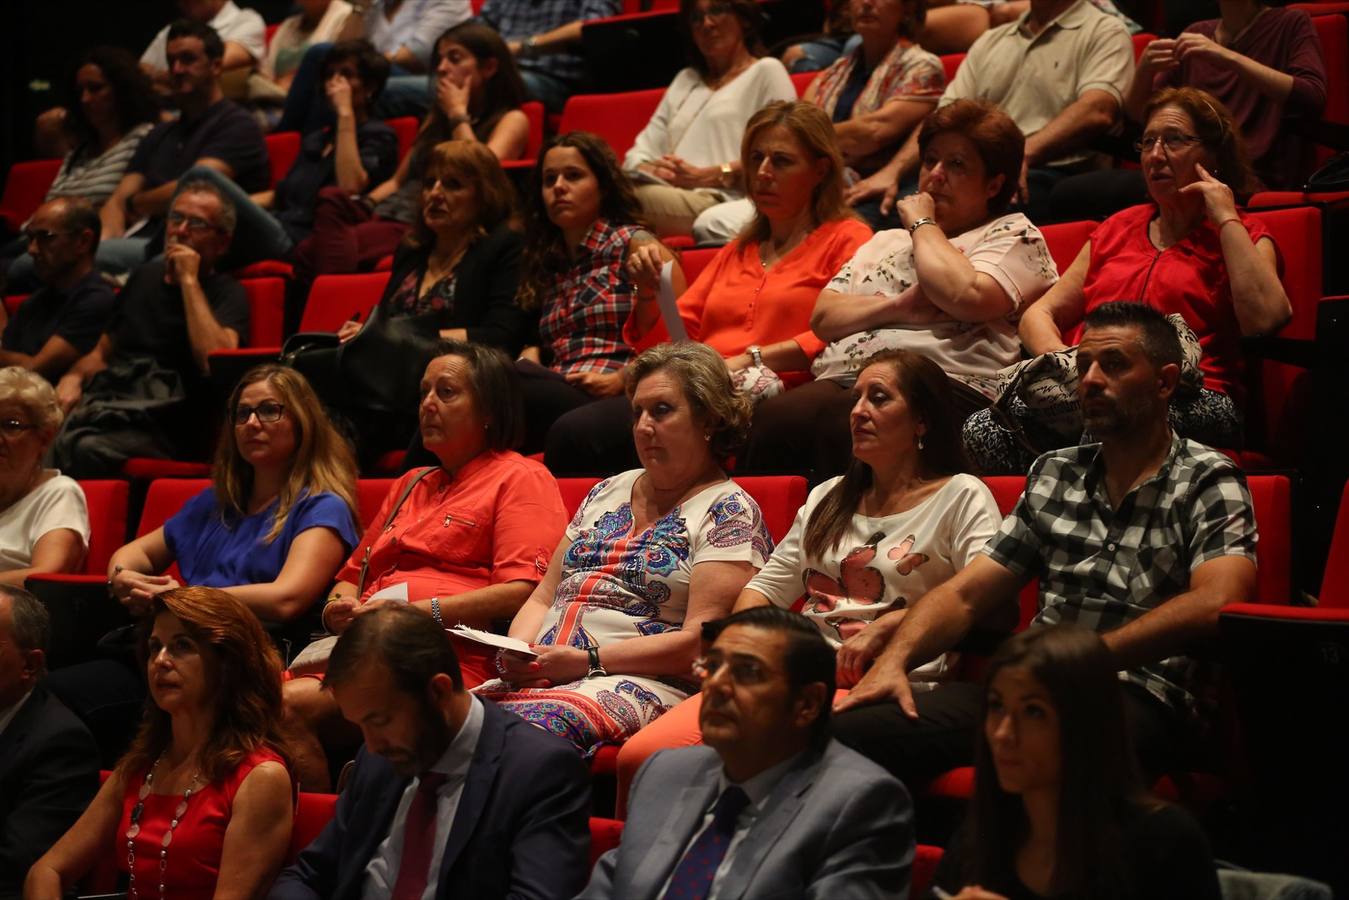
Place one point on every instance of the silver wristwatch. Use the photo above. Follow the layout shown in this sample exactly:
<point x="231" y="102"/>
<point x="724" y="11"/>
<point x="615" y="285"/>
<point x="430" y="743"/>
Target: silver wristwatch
<point x="755" y="354"/>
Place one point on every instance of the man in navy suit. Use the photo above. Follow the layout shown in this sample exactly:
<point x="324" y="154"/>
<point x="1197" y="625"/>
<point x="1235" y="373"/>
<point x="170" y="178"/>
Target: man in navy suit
<point x="771" y="807"/>
<point x="48" y="761"/>
<point x="451" y="797"/>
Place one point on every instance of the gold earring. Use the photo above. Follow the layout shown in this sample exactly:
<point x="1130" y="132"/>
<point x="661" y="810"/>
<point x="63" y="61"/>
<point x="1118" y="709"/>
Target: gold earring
<point x="920" y="442"/>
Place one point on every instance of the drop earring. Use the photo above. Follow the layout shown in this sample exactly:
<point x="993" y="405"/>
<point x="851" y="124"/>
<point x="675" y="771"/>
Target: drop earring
<point x="920" y="442"/>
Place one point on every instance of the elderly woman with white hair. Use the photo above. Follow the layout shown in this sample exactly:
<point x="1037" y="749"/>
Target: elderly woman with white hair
<point x="44" y="525"/>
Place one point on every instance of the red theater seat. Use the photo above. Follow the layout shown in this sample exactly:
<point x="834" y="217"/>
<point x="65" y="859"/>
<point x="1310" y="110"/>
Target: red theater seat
<point x="283" y="148"/>
<point x="107" y="503"/>
<point x="370" y="494"/>
<point x="406" y="129"/>
<point x="618" y="118"/>
<point x="1065" y="240"/>
<point x="1335" y="583"/>
<point x="25" y="187"/>
<point x="312" y="814"/>
<point x="605" y="835"/>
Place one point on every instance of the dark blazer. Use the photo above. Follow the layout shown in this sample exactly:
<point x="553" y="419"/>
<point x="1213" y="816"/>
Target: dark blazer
<point x="484" y="293"/>
<point x="521" y="829"/>
<point x="48" y="775"/>
<point x="836" y="826"/>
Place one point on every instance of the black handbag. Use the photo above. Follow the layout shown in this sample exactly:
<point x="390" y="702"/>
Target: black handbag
<point x="1333" y="176"/>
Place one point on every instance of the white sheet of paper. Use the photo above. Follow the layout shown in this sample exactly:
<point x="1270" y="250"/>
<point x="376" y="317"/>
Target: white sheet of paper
<point x="492" y="640"/>
<point x="395" y="592"/>
<point x="669" y="309"/>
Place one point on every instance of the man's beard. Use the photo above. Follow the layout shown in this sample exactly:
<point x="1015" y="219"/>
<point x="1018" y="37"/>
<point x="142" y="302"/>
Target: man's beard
<point x="1120" y="418"/>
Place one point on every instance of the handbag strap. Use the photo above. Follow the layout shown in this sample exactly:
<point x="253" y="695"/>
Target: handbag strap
<point x="393" y="514"/>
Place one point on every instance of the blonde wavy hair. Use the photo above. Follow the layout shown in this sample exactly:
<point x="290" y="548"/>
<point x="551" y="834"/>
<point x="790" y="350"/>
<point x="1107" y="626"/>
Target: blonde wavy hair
<point x="35" y="394"/>
<point x="323" y="459"/>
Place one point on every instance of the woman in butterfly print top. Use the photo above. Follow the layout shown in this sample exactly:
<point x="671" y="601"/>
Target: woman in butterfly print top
<point x="903" y="519"/>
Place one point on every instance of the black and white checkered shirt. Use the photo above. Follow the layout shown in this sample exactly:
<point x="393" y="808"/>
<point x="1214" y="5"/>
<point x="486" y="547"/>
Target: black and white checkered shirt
<point x="1102" y="568"/>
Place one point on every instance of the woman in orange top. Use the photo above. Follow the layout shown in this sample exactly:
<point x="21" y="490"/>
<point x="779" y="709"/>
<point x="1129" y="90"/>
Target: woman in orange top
<point x="752" y="303"/>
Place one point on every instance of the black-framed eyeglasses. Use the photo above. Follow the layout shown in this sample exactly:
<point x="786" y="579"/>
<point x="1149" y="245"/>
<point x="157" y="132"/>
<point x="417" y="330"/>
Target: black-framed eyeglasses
<point x="745" y="672"/>
<point x="42" y="236"/>
<point x="268" y="411"/>
<point x="12" y="428"/>
<point x="713" y="11"/>
<point x="193" y="223"/>
<point x="1172" y="142"/>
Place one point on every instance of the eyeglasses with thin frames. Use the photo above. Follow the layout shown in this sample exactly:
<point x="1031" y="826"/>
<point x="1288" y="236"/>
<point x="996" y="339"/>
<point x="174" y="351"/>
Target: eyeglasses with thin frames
<point x="13" y="428"/>
<point x="1172" y="142"/>
<point x="193" y="223"/>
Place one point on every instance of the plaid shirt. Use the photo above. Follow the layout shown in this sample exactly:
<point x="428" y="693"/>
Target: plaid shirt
<point x="1102" y="568"/>
<point x="588" y="303"/>
<point x="519" y="19"/>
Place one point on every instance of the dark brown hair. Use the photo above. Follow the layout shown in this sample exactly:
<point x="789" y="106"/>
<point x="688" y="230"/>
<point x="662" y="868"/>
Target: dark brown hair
<point x="1214" y="126"/>
<point x="503" y="92"/>
<point x="927" y="391"/>
<point x="496" y="391"/>
<point x="245" y="675"/>
<point x="405" y="640"/>
<point x="1099" y="783"/>
<point x="997" y="139"/>
<point x="545" y="247"/>
<point x="473" y="164"/>
<point x="751" y="26"/>
<point x="132" y="94"/>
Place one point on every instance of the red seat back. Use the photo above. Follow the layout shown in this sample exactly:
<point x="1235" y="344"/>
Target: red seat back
<point x="1007" y="489"/>
<point x="25" y="188"/>
<point x="107" y="502"/>
<point x="533" y="111"/>
<point x="1335" y="584"/>
<point x="266" y="311"/>
<point x="1065" y="240"/>
<point x="283" y="148"/>
<point x="574" y="491"/>
<point x="164" y="498"/>
<point x="406" y="129"/>
<point x="13" y="302"/>
<point x="694" y="261"/>
<point x="1278" y="395"/>
<point x="1333" y="31"/>
<point x="605" y="835"/>
<point x="312" y="814"/>
<point x="802" y="80"/>
<point x="1141" y="41"/>
<point x="336" y="298"/>
<point x="1272" y="503"/>
<point x="618" y="118"/>
<point x="779" y="497"/>
<point x="925" y="861"/>
<point x="950" y="63"/>
<point x="370" y="494"/>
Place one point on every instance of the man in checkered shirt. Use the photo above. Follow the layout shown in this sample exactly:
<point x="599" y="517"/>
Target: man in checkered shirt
<point x="1143" y="537"/>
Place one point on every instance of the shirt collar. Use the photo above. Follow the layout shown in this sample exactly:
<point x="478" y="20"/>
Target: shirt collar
<point x="760" y="786"/>
<point x="1073" y="17"/>
<point x="456" y="759"/>
<point x="599" y="231"/>
<point x="1095" y="475"/>
<point x="7" y="716"/>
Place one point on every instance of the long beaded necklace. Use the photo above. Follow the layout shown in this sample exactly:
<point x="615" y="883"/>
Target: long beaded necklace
<point x="135" y="829"/>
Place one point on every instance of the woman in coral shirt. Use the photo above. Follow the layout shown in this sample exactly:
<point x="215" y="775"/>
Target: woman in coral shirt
<point x="752" y="303"/>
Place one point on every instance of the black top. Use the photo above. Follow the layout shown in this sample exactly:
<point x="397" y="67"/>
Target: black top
<point x="78" y="315"/>
<point x="484" y="289"/>
<point x="224" y="131"/>
<point x="150" y="320"/>
<point x="1166" y="854"/>
<point x="314" y="169"/>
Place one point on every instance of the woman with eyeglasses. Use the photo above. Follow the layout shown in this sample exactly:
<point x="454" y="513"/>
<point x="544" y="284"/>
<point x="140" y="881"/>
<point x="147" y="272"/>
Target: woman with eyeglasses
<point x="276" y="523"/>
<point x="687" y="158"/>
<point x="44" y="524"/>
<point x="1189" y="252"/>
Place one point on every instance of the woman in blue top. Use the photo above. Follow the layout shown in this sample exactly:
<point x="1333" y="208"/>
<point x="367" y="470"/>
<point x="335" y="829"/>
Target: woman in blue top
<point x="278" y="521"/>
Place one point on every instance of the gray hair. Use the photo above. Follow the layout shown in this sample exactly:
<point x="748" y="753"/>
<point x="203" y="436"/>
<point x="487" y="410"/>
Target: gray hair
<point x="33" y="392"/>
<point x="702" y="374"/>
<point x="30" y="623"/>
<point x="227" y="218"/>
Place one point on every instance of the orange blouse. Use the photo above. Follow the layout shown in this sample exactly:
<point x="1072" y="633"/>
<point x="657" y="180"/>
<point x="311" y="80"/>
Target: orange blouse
<point x="736" y="302"/>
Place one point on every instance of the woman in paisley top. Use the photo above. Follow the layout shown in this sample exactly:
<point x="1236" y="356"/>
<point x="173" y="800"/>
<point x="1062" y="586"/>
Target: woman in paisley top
<point x="949" y="285"/>
<point x="902" y="520"/>
<point x="651" y="555"/>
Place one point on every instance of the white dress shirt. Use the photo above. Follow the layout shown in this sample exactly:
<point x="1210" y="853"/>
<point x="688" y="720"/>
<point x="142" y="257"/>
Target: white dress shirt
<point x="382" y="871"/>
<point x="758" y="789"/>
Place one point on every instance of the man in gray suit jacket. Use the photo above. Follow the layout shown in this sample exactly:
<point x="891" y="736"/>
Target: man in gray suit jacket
<point x="770" y="807"/>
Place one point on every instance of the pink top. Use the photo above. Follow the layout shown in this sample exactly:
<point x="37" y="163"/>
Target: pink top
<point x="1189" y="278"/>
<point x="192" y="865"/>
<point x="736" y="303"/>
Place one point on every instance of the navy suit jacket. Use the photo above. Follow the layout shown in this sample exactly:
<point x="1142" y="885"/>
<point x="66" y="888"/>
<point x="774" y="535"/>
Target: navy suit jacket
<point x="521" y="829"/>
<point x="48" y="775"/>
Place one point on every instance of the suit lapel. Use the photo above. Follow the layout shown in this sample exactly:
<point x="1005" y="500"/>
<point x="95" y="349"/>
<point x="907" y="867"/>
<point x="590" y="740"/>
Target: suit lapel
<point x="685" y="815"/>
<point x="784" y="804"/>
<point x="373" y="830"/>
<point x="482" y="772"/>
<point x="11" y="739"/>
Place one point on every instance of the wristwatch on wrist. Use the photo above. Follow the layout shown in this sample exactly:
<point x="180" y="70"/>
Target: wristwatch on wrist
<point x="755" y="354"/>
<point x="435" y="611"/>
<point x="596" y="670"/>
<point x="529" y="46"/>
<point x="919" y="223"/>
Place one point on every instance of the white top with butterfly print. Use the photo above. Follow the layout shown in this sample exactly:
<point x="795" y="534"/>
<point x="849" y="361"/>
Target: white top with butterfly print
<point x="882" y="563"/>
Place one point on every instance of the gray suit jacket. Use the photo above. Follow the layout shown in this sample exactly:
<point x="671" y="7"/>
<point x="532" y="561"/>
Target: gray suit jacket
<point x="837" y="827"/>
